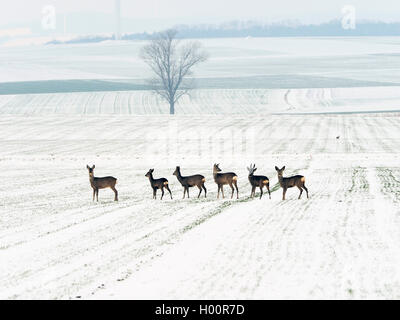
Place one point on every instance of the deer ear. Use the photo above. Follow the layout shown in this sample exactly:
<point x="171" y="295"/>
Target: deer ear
<point x="87" y="166"/>
<point x="283" y="168"/>
<point x="93" y="167"/>
<point x="254" y="169"/>
<point x="276" y="168"/>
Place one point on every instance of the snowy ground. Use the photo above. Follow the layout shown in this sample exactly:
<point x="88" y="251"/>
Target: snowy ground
<point x="207" y="101"/>
<point x="341" y="243"/>
<point x="275" y="101"/>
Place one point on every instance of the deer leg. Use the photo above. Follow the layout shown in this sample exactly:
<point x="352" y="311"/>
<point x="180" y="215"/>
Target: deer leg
<point x="284" y="193"/>
<point x="94" y="193"/>
<point x="199" y="192"/>
<point x="301" y="191"/>
<point x="218" y="191"/>
<point x="306" y="190"/>
<point x="233" y="189"/>
<point x="261" y="192"/>
<point x="205" y="191"/>
<point x="237" y="190"/>
<point x="97" y="195"/>
<point x="162" y="192"/>
<point x="116" y="193"/>
<point x="154" y="193"/>
<point x="269" y="192"/>
<point x="170" y="193"/>
<point x="253" y="190"/>
<point x="187" y="191"/>
<point x="184" y="192"/>
<point x="222" y="189"/>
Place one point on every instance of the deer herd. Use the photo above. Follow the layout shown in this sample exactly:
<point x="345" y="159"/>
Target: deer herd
<point x="198" y="181"/>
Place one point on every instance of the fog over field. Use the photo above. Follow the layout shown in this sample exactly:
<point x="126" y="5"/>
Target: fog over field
<point x="326" y="108"/>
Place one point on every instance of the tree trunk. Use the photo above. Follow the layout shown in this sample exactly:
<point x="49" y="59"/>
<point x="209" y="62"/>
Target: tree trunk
<point x="171" y="107"/>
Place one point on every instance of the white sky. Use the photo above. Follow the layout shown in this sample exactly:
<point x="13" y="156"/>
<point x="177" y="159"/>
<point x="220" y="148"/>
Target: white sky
<point x="198" y="11"/>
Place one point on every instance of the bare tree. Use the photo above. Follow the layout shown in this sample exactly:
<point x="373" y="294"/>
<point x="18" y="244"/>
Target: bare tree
<point x="172" y="63"/>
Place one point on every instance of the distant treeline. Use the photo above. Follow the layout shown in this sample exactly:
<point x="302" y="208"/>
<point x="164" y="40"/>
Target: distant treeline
<point x="236" y="29"/>
<point x="290" y="29"/>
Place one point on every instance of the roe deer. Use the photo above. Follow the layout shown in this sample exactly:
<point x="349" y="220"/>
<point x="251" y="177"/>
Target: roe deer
<point x="225" y="178"/>
<point x="101" y="183"/>
<point x="157" y="184"/>
<point x="191" y="181"/>
<point x="289" y="182"/>
<point x="257" y="181"/>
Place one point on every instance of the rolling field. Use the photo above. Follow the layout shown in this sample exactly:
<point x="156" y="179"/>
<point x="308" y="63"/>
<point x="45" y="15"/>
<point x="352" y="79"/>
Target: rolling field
<point x="207" y="101"/>
<point x="234" y="63"/>
<point x="341" y="243"/>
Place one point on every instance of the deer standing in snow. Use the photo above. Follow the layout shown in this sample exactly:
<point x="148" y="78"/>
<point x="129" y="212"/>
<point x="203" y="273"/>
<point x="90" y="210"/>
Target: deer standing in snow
<point x="257" y="181"/>
<point x="225" y="178"/>
<point x="157" y="184"/>
<point x="101" y="183"/>
<point x="190" y="181"/>
<point x="289" y="182"/>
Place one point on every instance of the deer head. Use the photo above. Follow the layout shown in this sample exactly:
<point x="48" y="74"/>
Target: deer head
<point x="177" y="171"/>
<point x="148" y="174"/>
<point x="90" y="169"/>
<point x="216" y="168"/>
<point x="280" y="171"/>
<point x="251" y="169"/>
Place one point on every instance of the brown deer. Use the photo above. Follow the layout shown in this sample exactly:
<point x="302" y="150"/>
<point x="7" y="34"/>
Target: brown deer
<point x="257" y="181"/>
<point x="101" y="183"/>
<point x="158" y="184"/>
<point x="225" y="178"/>
<point x="190" y="181"/>
<point x="289" y="182"/>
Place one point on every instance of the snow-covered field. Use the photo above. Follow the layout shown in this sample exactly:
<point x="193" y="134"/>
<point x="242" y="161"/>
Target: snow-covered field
<point x="293" y="102"/>
<point x="341" y="243"/>
<point x="207" y="101"/>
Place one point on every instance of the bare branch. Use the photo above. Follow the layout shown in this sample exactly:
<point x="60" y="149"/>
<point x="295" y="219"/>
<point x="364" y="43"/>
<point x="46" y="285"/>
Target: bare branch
<point x="171" y="64"/>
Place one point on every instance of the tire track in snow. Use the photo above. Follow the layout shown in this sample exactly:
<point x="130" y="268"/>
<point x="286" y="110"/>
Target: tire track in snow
<point x="205" y="101"/>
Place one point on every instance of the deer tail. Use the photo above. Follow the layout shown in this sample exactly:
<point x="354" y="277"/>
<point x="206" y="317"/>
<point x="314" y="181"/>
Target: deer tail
<point x="303" y="179"/>
<point x="234" y="178"/>
<point x="204" y="180"/>
<point x="165" y="183"/>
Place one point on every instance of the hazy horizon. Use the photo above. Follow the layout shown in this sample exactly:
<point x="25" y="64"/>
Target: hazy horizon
<point x="156" y="14"/>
